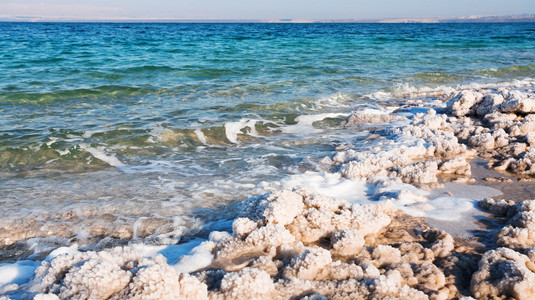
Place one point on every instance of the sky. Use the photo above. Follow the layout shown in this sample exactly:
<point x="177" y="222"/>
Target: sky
<point x="258" y="9"/>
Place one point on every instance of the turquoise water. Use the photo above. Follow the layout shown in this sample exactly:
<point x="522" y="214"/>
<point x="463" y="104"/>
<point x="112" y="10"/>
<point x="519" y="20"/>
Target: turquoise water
<point x="107" y="125"/>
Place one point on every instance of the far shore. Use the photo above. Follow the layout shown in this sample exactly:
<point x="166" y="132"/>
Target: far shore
<point x="526" y="18"/>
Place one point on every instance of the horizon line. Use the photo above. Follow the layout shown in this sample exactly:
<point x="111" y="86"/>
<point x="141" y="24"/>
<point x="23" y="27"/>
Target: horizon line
<point x="463" y="19"/>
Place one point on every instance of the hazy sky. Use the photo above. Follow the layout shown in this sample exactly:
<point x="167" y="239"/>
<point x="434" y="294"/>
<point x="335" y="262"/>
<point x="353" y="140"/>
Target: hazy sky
<point x="260" y="9"/>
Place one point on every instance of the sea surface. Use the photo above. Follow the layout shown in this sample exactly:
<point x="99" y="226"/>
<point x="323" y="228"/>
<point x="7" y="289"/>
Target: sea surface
<point x="111" y="133"/>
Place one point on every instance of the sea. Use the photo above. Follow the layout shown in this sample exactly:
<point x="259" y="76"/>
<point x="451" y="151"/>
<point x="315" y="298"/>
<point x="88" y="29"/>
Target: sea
<point x="122" y="133"/>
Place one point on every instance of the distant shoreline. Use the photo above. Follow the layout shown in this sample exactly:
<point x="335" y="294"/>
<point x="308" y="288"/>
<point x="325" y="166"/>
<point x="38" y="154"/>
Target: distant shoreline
<point x="530" y="18"/>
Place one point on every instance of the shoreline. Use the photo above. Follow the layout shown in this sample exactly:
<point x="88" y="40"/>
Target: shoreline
<point x="369" y="240"/>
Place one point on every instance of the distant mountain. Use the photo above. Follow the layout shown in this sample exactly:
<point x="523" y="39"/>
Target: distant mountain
<point x="470" y="19"/>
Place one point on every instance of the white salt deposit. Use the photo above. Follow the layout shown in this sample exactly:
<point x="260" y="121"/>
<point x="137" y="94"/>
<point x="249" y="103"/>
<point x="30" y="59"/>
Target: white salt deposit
<point x="18" y="273"/>
<point x="343" y="233"/>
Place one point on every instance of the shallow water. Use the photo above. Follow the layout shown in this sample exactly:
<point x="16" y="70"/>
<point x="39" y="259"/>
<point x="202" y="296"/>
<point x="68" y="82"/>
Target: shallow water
<point x="123" y="130"/>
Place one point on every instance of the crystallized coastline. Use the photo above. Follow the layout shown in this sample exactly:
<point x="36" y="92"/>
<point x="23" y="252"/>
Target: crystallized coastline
<point x="301" y="244"/>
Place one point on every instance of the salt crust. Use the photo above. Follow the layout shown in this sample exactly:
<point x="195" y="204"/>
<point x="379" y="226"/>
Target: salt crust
<point x="504" y="272"/>
<point x="509" y="271"/>
<point x="297" y="243"/>
<point x="360" y="117"/>
<point x="429" y="148"/>
<point x="113" y="274"/>
<point x="322" y="247"/>
<point x="520" y="230"/>
<point x="495" y="124"/>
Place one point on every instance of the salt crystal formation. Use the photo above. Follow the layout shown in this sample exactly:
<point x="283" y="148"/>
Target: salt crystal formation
<point x="429" y="148"/>
<point x="316" y="246"/>
<point x="509" y="271"/>
<point x="117" y="273"/>
<point x="300" y="244"/>
<point x="506" y="130"/>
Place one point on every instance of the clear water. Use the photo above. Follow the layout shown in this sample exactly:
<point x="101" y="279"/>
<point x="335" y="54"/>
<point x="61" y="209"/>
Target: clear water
<point x="122" y="130"/>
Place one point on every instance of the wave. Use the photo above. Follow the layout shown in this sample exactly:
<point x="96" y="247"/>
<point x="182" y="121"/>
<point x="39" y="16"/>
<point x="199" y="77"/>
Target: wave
<point x="509" y="72"/>
<point x="82" y="151"/>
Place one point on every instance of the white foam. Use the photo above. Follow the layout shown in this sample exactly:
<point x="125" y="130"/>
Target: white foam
<point x="232" y="129"/>
<point x="200" y="136"/>
<point x="52" y="141"/>
<point x="305" y="122"/>
<point x="90" y="133"/>
<point x="336" y="100"/>
<point x="63" y="152"/>
<point x="100" y="154"/>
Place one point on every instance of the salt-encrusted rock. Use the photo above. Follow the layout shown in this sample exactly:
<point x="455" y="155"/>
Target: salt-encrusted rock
<point x="50" y="273"/>
<point x="484" y="141"/>
<point x="241" y="227"/>
<point x="114" y="273"/>
<point x="359" y="117"/>
<point x="524" y="106"/>
<point x="314" y="223"/>
<point x="389" y="286"/>
<point x="440" y="242"/>
<point x="446" y="146"/>
<point x="489" y="104"/>
<point x="248" y="283"/>
<point x="342" y="271"/>
<point x="317" y="201"/>
<point x="415" y="253"/>
<point x="496" y="117"/>
<point x="372" y="166"/>
<point x="513" y="149"/>
<point x="266" y="264"/>
<point x="282" y="208"/>
<point x="270" y="236"/>
<point x="521" y="128"/>
<point x="316" y="217"/>
<point x="429" y="277"/>
<point x="430" y="120"/>
<point x="530" y="138"/>
<point x="504" y="273"/>
<point x="347" y="242"/>
<point x="160" y="281"/>
<point x="309" y="265"/>
<point x="525" y="164"/>
<point x="457" y="166"/>
<point x="501" y="207"/>
<point x="94" y="279"/>
<point x="501" y="138"/>
<point x="277" y="208"/>
<point x="463" y="102"/>
<point x="384" y="254"/>
<point x="418" y="173"/>
<point x="520" y="232"/>
<point x="235" y="253"/>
